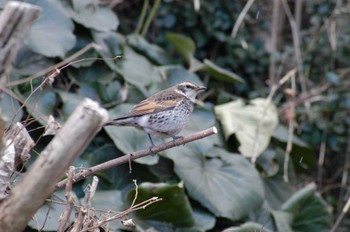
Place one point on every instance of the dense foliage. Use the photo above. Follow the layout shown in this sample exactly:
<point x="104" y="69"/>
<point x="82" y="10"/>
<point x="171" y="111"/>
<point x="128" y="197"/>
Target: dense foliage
<point x="209" y="185"/>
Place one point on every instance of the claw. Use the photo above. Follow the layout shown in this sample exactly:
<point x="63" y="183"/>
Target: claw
<point x="176" y="138"/>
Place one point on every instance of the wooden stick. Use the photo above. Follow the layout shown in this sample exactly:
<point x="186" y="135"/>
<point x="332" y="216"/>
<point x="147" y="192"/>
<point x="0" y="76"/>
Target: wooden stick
<point x="15" y="22"/>
<point x="29" y="195"/>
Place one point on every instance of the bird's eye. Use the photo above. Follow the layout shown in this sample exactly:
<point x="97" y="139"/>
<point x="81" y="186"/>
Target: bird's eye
<point x="189" y="86"/>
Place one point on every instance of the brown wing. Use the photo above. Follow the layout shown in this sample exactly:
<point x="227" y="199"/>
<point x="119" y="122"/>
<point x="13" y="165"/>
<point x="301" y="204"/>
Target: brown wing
<point x="156" y="103"/>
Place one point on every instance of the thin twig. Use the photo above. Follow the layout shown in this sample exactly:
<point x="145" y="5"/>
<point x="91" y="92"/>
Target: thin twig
<point x="136" y="193"/>
<point x="341" y="216"/>
<point x="70" y="196"/>
<point x="52" y="68"/>
<point x="142" y="17"/>
<point x="241" y="17"/>
<point x="83" y="220"/>
<point x="291" y="122"/>
<point x="345" y="174"/>
<point x="273" y="42"/>
<point x="136" y="155"/>
<point x="139" y="206"/>
<point x="272" y="92"/>
<point x="321" y="158"/>
<point x="296" y="43"/>
<point x="150" y="17"/>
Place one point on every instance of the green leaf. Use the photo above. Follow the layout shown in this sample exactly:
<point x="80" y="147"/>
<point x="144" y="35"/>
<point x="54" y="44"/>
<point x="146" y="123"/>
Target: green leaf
<point x="109" y="200"/>
<point x="151" y="51"/>
<point x="186" y="48"/>
<point x="41" y="105"/>
<point x="28" y="63"/>
<point x="70" y="102"/>
<point x="276" y="191"/>
<point x="204" y="221"/>
<point x="248" y="227"/>
<point x="91" y="14"/>
<point x="46" y="218"/>
<point x="115" y="178"/>
<point x="129" y="139"/>
<point x="183" y="45"/>
<point x="52" y="33"/>
<point x="252" y="124"/>
<point x="96" y="72"/>
<point x="282" y="220"/>
<point x="136" y="69"/>
<point x="175" y="74"/>
<point x="220" y="73"/>
<point x="173" y="209"/>
<point x="10" y="108"/>
<point x="310" y="212"/>
<point x="223" y="182"/>
<point x="302" y="154"/>
<point x="110" y="46"/>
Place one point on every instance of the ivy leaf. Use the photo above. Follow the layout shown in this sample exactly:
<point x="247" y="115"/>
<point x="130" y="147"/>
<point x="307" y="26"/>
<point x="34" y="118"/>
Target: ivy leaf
<point x="70" y="102"/>
<point x="309" y="211"/>
<point x="110" y="200"/>
<point x="186" y="47"/>
<point x="135" y="68"/>
<point x="46" y="216"/>
<point x="10" y="108"/>
<point x="91" y="14"/>
<point x="151" y="51"/>
<point x="248" y="227"/>
<point x="41" y="105"/>
<point x="223" y="182"/>
<point x="173" y="209"/>
<point x="220" y="73"/>
<point x="52" y="33"/>
<point x="252" y="124"/>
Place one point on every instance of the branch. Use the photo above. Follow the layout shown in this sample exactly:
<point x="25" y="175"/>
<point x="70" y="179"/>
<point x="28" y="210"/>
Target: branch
<point x="296" y="44"/>
<point x="30" y="193"/>
<point x="70" y="196"/>
<point x="136" y="155"/>
<point x="241" y="17"/>
<point x="15" y="22"/>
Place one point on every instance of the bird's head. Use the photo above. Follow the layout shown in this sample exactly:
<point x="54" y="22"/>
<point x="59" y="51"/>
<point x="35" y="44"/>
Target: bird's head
<point x="189" y="89"/>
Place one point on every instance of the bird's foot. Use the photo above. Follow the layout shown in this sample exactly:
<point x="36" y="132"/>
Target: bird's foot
<point x="176" y="138"/>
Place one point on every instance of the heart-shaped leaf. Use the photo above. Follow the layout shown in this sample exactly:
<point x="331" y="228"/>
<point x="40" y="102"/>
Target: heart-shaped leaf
<point x="219" y="73"/>
<point x="173" y="209"/>
<point x="252" y="124"/>
<point x="151" y="51"/>
<point x="309" y="210"/>
<point x="225" y="183"/>
<point x="52" y="33"/>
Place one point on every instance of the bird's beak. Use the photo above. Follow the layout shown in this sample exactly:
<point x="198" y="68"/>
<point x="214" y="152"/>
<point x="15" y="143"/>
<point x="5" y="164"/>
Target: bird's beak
<point x="201" y="89"/>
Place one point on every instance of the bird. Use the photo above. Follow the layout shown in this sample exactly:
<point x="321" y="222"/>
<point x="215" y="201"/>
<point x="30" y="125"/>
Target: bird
<point x="164" y="114"/>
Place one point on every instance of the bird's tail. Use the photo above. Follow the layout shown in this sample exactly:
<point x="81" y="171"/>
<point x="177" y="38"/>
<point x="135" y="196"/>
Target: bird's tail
<point x="120" y="122"/>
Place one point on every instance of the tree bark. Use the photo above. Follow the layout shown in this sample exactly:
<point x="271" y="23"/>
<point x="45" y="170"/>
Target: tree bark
<point x="15" y="22"/>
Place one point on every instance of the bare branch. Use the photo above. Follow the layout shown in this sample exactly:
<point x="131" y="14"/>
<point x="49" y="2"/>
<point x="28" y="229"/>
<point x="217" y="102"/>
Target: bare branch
<point x="70" y="196"/>
<point x="241" y="17"/>
<point x="39" y="183"/>
<point x="136" y="155"/>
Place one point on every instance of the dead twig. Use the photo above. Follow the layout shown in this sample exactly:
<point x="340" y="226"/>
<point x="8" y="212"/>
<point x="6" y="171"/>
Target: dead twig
<point x="296" y="43"/>
<point x="241" y="17"/>
<point x="70" y="196"/>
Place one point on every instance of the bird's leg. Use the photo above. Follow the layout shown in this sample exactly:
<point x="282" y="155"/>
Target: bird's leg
<point x="176" y="138"/>
<point x="151" y="148"/>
